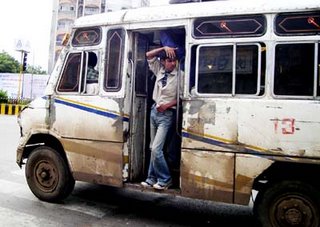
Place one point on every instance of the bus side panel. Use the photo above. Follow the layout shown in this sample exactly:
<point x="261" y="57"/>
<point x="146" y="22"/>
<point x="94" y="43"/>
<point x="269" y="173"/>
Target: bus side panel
<point x="91" y="131"/>
<point x="289" y="127"/>
<point x="207" y="175"/>
<point x="248" y="167"/>
<point x="210" y="125"/>
<point x="91" y="162"/>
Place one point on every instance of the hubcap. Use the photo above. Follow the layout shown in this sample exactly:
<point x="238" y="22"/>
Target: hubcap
<point x="46" y="176"/>
<point x="294" y="211"/>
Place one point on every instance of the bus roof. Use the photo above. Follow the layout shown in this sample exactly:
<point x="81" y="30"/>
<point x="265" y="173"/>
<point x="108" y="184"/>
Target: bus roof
<point x="200" y="9"/>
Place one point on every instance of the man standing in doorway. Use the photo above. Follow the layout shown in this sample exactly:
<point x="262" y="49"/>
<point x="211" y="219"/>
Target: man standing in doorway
<point x="162" y="113"/>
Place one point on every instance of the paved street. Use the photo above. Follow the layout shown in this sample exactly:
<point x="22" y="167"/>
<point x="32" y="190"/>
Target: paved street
<point x="94" y="205"/>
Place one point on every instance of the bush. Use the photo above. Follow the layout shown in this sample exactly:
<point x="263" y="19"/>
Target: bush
<point x="18" y="101"/>
<point x="3" y="96"/>
<point x="5" y="99"/>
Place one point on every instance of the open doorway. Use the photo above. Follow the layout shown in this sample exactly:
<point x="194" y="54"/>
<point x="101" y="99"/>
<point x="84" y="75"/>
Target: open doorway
<point x="143" y="41"/>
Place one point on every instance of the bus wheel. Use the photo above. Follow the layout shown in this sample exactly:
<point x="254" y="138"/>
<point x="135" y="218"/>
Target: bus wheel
<point x="288" y="203"/>
<point x="48" y="175"/>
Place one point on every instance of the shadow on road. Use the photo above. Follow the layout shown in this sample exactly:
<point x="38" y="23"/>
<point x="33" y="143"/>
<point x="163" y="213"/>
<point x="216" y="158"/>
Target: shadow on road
<point x="168" y="210"/>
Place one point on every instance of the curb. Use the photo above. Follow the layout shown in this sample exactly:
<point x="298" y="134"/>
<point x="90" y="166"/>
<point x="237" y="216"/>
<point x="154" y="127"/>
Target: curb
<point x="10" y="109"/>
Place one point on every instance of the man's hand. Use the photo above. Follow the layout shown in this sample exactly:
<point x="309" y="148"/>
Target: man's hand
<point x="170" y="52"/>
<point x="162" y="107"/>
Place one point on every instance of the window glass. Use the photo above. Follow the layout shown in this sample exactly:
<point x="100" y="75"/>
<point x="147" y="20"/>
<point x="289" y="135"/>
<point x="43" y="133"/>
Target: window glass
<point x="141" y="66"/>
<point x="253" y="25"/>
<point x="70" y="78"/>
<point x="59" y="39"/>
<point x="232" y="69"/>
<point x="80" y="11"/>
<point x="247" y="69"/>
<point x="215" y="69"/>
<point x="91" y="10"/>
<point x="294" y="69"/>
<point x="86" y="36"/>
<point x="64" y="23"/>
<point x="80" y="74"/>
<point x="298" y="24"/>
<point x="92" y="73"/>
<point x="318" y="73"/>
<point x="113" y="63"/>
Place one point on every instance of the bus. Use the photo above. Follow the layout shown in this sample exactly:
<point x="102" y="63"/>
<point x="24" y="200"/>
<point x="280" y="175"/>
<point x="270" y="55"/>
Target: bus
<point x="248" y="115"/>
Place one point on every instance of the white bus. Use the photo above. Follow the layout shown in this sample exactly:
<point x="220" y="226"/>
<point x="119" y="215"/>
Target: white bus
<point x="248" y="116"/>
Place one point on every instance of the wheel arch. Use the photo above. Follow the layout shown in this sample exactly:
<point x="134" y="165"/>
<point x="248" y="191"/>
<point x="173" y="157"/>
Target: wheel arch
<point x="291" y="175"/>
<point x="282" y="170"/>
<point x="48" y="140"/>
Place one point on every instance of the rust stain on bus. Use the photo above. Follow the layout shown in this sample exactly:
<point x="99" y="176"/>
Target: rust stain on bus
<point x="205" y="188"/>
<point x="97" y="162"/>
<point x="94" y="149"/>
<point x="207" y="175"/>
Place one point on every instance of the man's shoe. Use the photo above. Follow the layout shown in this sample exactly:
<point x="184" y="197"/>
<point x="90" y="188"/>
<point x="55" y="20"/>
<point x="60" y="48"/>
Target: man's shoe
<point x="162" y="186"/>
<point x="147" y="184"/>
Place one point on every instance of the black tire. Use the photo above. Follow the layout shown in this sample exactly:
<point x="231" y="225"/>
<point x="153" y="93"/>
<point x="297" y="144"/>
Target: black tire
<point x="288" y="203"/>
<point x="48" y="175"/>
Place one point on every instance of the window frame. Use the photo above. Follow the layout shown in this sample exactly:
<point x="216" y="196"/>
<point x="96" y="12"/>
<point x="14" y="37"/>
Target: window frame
<point x="120" y="60"/>
<point x="82" y="81"/>
<point x="95" y="29"/>
<point x="79" y="76"/>
<point x="285" y="16"/>
<point x="234" y="71"/>
<point x="201" y="20"/>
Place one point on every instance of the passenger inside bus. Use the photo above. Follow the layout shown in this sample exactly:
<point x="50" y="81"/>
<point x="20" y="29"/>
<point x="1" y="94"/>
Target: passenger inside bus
<point x="162" y="62"/>
<point x="92" y="74"/>
<point x="149" y="40"/>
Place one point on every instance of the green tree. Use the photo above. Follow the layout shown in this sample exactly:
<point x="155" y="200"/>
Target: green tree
<point x="3" y="96"/>
<point x="35" y="70"/>
<point x="8" y="64"/>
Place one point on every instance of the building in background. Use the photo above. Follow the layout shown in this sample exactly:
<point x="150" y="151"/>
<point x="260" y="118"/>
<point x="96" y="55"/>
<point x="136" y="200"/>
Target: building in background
<point x="66" y="11"/>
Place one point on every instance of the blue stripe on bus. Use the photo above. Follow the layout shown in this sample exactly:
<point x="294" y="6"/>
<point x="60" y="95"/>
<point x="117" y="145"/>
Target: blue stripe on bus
<point x="218" y="143"/>
<point x="203" y="139"/>
<point x="91" y="110"/>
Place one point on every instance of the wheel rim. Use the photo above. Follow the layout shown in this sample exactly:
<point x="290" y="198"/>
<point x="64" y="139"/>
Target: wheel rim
<point x="293" y="210"/>
<point x="46" y="176"/>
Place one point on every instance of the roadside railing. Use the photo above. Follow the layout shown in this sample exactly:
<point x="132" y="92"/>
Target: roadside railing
<point x="12" y="106"/>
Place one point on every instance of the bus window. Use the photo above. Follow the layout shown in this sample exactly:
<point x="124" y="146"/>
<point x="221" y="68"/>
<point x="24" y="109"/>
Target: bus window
<point x="84" y="64"/>
<point x="247" y="69"/>
<point x="215" y="69"/>
<point x="87" y="37"/>
<point x="113" y="63"/>
<point x="230" y="69"/>
<point x="70" y="78"/>
<point x="230" y="26"/>
<point x="92" y="76"/>
<point x="141" y="66"/>
<point x="294" y="69"/>
<point x="318" y="73"/>
<point x="305" y="23"/>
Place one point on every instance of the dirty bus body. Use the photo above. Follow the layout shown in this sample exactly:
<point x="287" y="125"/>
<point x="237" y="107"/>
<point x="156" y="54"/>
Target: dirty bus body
<point x="248" y="114"/>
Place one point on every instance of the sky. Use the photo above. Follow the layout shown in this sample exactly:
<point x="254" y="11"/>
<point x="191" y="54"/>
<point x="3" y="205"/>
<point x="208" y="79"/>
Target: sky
<point x="30" y="22"/>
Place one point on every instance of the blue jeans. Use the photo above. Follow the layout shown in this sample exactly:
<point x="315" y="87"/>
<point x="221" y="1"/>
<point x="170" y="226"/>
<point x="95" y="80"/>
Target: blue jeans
<point x="160" y="124"/>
